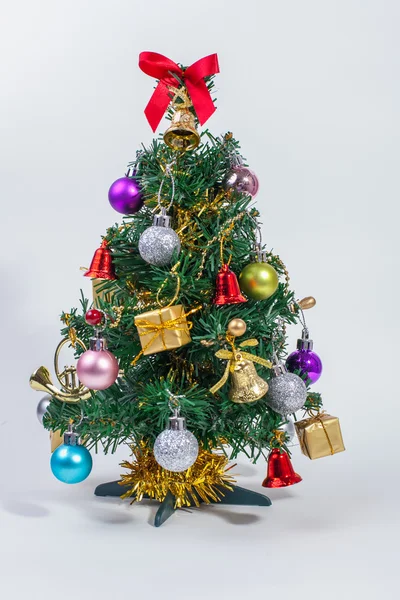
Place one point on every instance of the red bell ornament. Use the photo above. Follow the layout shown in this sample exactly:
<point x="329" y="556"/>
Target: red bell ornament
<point x="280" y="470"/>
<point x="101" y="266"/>
<point x="227" y="289"/>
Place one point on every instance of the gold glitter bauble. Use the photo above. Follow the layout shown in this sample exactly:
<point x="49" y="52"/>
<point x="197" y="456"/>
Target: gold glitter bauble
<point x="237" y="327"/>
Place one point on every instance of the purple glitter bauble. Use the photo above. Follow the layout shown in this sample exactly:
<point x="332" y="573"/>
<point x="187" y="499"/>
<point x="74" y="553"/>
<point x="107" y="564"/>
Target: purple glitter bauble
<point x="125" y="196"/>
<point x="307" y="362"/>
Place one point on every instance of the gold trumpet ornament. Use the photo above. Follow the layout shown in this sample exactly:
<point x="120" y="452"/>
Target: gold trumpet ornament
<point x="71" y="388"/>
<point x="246" y="385"/>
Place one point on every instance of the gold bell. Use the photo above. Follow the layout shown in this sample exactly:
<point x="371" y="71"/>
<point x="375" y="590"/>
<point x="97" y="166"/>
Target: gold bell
<point x="246" y="385"/>
<point x="182" y="133"/>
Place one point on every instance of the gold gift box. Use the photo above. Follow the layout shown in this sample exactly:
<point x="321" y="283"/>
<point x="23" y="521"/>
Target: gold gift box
<point x="56" y="439"/>
<point x="100" y="295"/>
<point x="163" y="329"/>
<point x="320" y="436"/>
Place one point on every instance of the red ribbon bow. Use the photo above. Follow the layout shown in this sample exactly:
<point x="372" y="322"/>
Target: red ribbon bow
<point x="159" y="66"/>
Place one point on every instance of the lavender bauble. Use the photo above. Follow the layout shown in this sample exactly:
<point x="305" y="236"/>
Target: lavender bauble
<point x="125" y="196"/>
<point x="241" y="179"/>
<point x="97" y="369"/>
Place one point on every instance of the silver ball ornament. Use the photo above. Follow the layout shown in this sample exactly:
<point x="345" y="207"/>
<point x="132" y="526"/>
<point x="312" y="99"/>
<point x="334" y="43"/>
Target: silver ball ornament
<point x="176" y="450"/>
<point x="158" y="244"/>
<point x="42" y="407"/>
<point x="289" y="429"/>
<point x="287" y="393"/>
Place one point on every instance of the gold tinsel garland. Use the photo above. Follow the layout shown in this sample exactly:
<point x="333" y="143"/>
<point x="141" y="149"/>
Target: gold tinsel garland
<point x="203" y="482"/>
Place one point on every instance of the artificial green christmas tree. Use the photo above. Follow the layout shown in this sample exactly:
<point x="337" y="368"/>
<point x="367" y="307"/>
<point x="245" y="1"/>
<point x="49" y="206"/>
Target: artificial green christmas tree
<point x="193" y="309"/>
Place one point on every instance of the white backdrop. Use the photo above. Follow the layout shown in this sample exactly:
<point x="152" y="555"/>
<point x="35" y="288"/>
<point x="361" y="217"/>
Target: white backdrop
<point x="312" y="91"/>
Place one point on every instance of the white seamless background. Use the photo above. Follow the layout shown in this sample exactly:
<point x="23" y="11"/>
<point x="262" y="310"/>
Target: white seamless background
<point x="311" y="89"/>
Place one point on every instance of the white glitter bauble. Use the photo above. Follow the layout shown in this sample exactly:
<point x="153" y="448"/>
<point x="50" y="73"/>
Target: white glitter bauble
<point x="287" y="393"/>
<point x="176" y="450"/>
<point x="158" y="244"/>
<point x="42" y="407"/>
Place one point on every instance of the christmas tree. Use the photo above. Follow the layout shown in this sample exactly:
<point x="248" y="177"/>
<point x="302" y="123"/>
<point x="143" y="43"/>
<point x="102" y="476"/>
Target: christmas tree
<point x="181" y="353"/>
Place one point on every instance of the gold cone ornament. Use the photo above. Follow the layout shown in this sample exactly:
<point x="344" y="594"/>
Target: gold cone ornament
<point x="182" y="133"/>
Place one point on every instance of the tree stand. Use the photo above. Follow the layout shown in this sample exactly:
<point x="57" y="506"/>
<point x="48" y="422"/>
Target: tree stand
<point x="239" y="496"/>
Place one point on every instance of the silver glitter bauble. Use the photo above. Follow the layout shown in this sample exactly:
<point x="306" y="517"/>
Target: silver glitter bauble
<point x="241" y="179"/>
<point x="176" y="448"/>
<point x="42" y="407"/>
<point x="287" y="393"/>
<point x="158" y="243"/>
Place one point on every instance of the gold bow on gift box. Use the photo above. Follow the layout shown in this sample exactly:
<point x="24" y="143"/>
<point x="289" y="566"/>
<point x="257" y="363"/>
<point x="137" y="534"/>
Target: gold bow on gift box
<point x="247" y="386"/>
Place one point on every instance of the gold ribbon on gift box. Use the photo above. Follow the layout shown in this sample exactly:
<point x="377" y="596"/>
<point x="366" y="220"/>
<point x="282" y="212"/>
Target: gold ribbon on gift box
<point x="234" y="356"/>
<point x="178" y="323"/>
<point x="316" y="417"/>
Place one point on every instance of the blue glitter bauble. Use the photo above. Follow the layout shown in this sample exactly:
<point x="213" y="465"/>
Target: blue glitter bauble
<point x="71" y="464"/>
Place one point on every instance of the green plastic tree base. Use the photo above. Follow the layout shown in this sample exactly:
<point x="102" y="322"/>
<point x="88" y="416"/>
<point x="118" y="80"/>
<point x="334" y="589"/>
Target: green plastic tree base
<point x="239" y="496"/>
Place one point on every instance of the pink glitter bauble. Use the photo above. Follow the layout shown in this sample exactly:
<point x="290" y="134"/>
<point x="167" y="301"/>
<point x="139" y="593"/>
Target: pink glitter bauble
<point x="97" y="369"/>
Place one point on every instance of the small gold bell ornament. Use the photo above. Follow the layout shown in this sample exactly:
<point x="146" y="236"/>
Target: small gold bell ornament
<point x="182" y="134"/>
<point x="246" y="385"/>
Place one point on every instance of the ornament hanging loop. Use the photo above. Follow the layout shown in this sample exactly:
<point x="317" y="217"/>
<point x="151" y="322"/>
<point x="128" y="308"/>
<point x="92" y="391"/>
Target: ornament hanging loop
<point x="235" y="160"/>
<point x="302" y="319"/>
<point x="168" y="173"/>
<point x="98" y="329"/>
<point x="258" y="243"/>
<point x="278" y="438"/>
<point x="72" y="422"/>
<point x="225" y="234"/>
<point x="134" y="166"/>
<point x="177" y="290"/>
<point x="174" y="403"/>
